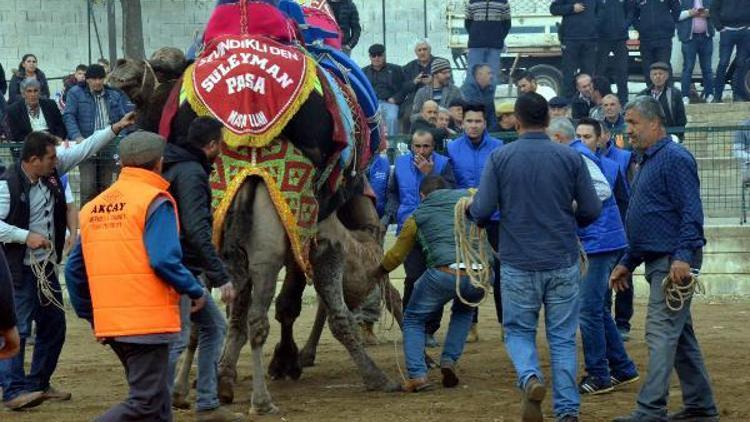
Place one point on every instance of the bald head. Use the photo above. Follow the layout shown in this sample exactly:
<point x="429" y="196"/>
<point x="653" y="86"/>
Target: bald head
<point x="430" y="111"/>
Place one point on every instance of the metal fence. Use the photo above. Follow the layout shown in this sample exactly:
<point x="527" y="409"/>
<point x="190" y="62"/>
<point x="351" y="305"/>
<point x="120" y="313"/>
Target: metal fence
<point x="723" y="171"/>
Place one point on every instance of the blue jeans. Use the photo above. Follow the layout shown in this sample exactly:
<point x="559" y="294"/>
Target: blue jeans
<point x="212" y="328"/>
<point x="602" y="345"/>
<point x="701" y="46"/>
<point x="390" y="116"/>
<point x="431" y="292"/>
<point x="524" y="293"/>
<point x="671" y="344"/>
<point x="488" y="56"/>
<point x="50" y="336"/>
<point x="728" y="41"/>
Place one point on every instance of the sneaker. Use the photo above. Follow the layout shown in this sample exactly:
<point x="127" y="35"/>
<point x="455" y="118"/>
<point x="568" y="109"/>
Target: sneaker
<point x="415" y="385"/>
<point x="531" y="406"/>
<point x="473" y="336"/>
<point x="593" y="386"/>
<point x="685" y="415"/>
<point x="621" y="380"/>
<point x="430" y="342"/>
<point x="219" y="414"/>
<point x="51" y="393"/>
<point x="368" y="336"/>
<point x="25" y="400"/>
<point x="709" y="98"/>
<point x="450" y="380"/>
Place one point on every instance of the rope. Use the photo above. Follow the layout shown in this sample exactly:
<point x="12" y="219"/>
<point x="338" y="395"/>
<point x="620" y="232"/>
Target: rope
<point x="676" y="294"/>
<point x="44" y="286"/>
<point x="471" y="250"/>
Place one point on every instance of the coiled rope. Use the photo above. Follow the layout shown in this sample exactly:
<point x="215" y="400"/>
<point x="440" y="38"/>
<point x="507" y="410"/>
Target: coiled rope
<point x="44" y="286"/>
<point x="471" y="251"/>
<point x="677" y="294"/>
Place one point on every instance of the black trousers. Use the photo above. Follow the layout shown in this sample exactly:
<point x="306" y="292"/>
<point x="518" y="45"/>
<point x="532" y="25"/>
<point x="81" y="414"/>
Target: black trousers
<point x="577" y="56"/>
<point x="146" y="368"/>
<point x="618" y="64"/>
<point x="655" y="51"/>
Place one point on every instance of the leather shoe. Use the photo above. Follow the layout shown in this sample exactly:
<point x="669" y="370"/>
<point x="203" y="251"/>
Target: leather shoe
<point x="51" y="393"/>
<point x="690" y="415"/>
<point x="531" y="406"/>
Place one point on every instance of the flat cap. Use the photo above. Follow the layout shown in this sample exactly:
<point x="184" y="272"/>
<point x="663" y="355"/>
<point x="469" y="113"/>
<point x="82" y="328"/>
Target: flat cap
<point x="660" y="66"/>
<point x="376" y="49"/>
<point x="559" y="102"/>
<point x="96" y="71"/>
<point x="140" y="148"/>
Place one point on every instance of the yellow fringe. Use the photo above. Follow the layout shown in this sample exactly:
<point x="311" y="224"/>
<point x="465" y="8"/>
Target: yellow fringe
<point x="288" y="220"/>
<point x="309" y="83"/>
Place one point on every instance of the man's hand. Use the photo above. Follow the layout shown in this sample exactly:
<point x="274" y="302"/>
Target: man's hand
<point x="679" y="272"/>
<point x="468" y="204"/>
<point x="126" y="121"/>
<point x="578" y="7"/>
<point x="36" y="241"/>
<point x="198" y="304"/>
<point x="228" y="293"/>
<point x="11" y="342"/>
<point x="618" y="280"/>
<point x="423" y="164"/>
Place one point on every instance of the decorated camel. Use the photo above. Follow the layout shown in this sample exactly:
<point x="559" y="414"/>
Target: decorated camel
<point x="296" y="144"/>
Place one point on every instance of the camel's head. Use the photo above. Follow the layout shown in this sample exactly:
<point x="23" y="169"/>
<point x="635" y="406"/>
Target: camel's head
<point x="130" y="77"/>
<point x="168" y="63"/>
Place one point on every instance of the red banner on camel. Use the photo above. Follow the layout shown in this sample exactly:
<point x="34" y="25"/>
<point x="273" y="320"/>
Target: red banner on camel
<point x="252" y="84"/>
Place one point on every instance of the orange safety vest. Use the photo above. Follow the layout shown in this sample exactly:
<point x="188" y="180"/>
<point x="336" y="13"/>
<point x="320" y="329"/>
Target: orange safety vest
<point x="128" y="297"/>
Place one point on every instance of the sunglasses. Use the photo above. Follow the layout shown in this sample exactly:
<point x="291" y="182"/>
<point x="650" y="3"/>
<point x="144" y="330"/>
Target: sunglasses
<point x="377" y="54"/>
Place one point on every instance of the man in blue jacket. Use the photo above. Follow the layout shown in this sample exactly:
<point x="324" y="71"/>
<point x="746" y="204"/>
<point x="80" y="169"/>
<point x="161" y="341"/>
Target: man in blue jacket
<point x="488" y="23"/>
<point x="468" y="155"/>
<point x="92" y="106"/>
<point x="696" y="33"/>
<point x="612" y="27"/>
<point x="578" y="37"/>
<point x="606" y="361"/>
<point x="655" y="22"/>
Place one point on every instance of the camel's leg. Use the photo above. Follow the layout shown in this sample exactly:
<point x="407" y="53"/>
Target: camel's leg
<point x="266" y="247"/>
<point x="329" y="266"/>
<point x="393" y="302"/>
<point x="307" y="355"/>
<point x="285" y="362"/>
<point x="181" y="388"/>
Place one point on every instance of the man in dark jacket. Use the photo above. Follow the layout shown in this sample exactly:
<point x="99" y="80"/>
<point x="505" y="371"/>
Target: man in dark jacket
<point x="584" y="101"/>
<point x="655" y="22"/>
<point x="347" y="16"/>
<point x="416" y="75"/>
<point x="488" y="23"/>
<point x="34" y="113"/>
<point x="669" y="97"/>
<point x="480" y="90"/>
<point x="732" y="19"/>
<point x="187" y="167"/>
<point x="387" y="80"/>
<point x="696" y="33"/>
<point x="578" y="37"/>
<point x="612" y="28"/>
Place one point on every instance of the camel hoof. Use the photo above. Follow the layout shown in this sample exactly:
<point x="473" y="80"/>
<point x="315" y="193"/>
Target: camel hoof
<point x="285" y="363"/>
<point x="380" y="382"/>
<point x="393" y="387"/>
<point x="306" y="359"/>
<point x="226" y="390"/>
<point x="265" y="409"/>
<point x="180" y="401"/>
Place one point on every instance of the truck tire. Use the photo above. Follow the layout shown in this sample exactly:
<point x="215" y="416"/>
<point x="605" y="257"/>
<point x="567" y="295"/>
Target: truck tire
<point x="548" y="76"/>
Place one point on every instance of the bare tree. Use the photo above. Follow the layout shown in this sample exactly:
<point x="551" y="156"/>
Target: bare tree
<point x="132" y="29"/>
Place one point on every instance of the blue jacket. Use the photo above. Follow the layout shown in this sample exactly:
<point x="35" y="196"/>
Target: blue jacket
<point x="622" y="157"/>
<point x="576" y="26"/>
<point x="409" y="178"/>
<point x="655" y="19"/>
<point x="685" y="26"/>
<point x="615" y="16"/>
<point x="607" y="233"/>
<point x="80" y="110"/>
<point x="380" y="171"/>
<point x="485" y="96"/>
<point x="468" y="160"/>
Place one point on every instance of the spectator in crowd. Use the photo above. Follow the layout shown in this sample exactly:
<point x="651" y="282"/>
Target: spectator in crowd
<point x="441" y="89"/>
<point x="27" y="69"/>
<point x="481" y="90"/>
<point x="488" y="23"/>
<point x="613" y="121"/>
<point x="559" y="107"/>
<point x="403" y="198"/>
<point x="664" y="227"/>
<point x="539" y="252"/>
<point x="187" y="167"/>
<point x="387" y="80"/>
<point x="624" y="158"/>
<point x="669" y="97"/>
<point x="612" y="27"/>
<point x="606" y="361"/>
<point x="438" y="284"/>
<point x="525" y="82"/>
<point x="3" y="105"/>
<point x="132" y="303"/>
<point x="444" y="121"/>
<point x="77" y="77"/>
<point x="583" y="102"/>
<point x="33" y="214"/>
<point x="601" y="89"/>
<point x="428" y="121"/>
<point x="696" y="33"/>
<point x="456" y="107"/>
<point x="92" y="106"/>
<point x="506" y="120"/>
<point x="732" y="19"/>
<point x="416" y="75"/>
<point x="468" y="156"/>
<point x="347" y="16"/>
<point x="741" y="150"/>
<point x="10" y="342"/>
<point x="578" y="38"/>
<point x="34" y="114"/>
<point x="655" y="22"/>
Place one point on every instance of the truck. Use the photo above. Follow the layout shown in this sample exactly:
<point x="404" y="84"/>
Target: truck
<point x="533" y="44"/>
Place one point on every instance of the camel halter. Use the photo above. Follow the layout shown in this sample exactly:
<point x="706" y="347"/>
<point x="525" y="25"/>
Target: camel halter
<point x="146" y="71"/>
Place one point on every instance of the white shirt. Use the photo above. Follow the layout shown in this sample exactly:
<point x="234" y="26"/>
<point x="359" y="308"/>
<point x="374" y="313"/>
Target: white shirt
<point x="601" y="185"/>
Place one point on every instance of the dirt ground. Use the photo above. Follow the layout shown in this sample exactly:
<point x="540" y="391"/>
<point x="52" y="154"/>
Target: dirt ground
<point x="332" y="391"/>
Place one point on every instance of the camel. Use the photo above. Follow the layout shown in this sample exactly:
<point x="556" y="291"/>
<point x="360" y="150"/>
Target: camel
<point x="255" y="247"/>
